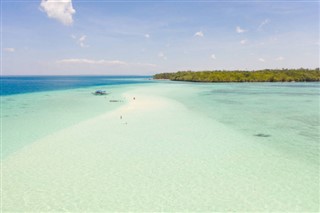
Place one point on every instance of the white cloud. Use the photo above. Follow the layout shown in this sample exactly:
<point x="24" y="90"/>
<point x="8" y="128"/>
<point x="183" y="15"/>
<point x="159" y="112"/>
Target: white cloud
<point x="240" y="30"/>
<point x="9" y="49"/>
<point x="147" y="36"/>
<point x="144" y="64"/>
<point x="280" y="58"/>
<point x="80" y="40"/>
<point x="199" y="34"/>
<point x="213" y="56"/>
<point x="60" y="10"/>
<point x="266" y="21"/>
<point x="162" y="56"/>
<point x="262" y="60"/>
<point x="90" y="61"/>
<point x="84" y="61"/>
<point x="244" y="41"/>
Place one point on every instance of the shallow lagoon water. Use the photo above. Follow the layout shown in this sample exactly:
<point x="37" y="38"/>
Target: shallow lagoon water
<point x="178" y="147"/>
<point x="285" y="115"/>
<point x="28" y="117"/>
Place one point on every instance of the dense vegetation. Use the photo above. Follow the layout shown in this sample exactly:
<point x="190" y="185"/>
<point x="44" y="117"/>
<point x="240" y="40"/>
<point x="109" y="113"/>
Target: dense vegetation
<point x="283" y="75"/>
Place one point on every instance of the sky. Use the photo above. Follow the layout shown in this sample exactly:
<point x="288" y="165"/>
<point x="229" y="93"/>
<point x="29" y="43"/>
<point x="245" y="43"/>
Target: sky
<point x="132" y="37"/>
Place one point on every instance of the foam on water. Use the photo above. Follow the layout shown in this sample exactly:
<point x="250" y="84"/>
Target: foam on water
<point x="178" y="147"/>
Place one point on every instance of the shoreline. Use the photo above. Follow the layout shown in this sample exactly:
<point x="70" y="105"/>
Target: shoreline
<point x="267" y="75"/>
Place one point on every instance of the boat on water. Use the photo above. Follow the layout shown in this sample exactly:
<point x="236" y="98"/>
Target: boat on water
<point x="100" y="92"/>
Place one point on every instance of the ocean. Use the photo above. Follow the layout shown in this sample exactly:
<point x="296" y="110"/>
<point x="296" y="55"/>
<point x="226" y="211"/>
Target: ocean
<point x="158" y="145"/>
<point x="11" y="85"/>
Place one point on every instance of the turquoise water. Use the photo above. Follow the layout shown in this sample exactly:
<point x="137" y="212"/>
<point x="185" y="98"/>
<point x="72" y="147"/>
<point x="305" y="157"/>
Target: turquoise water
<point x="28" y="117"/>
<point x="178" y="147"/>
<point x="35" y="106"/>
<point x="284" y="116"/>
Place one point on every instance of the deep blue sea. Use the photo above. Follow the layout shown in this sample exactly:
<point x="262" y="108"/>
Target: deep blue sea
<point x="11" y="85"/>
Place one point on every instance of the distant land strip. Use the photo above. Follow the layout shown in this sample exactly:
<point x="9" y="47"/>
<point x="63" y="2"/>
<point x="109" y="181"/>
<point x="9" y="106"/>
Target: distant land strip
<point x="267" y="75"/>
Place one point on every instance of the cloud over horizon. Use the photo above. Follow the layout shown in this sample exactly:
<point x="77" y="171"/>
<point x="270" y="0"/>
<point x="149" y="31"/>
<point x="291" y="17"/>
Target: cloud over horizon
<point x="199" y="34"/>
<point x="60" y="10"/>
<point x="266" y="21"/>
<point x="90" y="61"/>
<point x="9" y="49"/>
<point x="240" y="30"/>
<point x="244" y="41"/>
<point x="162" y="56"/>
<point x="280" y="58"/>
<point x="80" y="40"/>
<point x="83" y="61"/>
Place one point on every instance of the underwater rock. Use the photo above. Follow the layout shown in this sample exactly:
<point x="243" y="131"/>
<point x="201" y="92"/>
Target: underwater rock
<point x="262" y="135"/>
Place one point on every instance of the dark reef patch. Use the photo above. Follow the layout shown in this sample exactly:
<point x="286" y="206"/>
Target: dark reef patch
<point x="262" y="135"/>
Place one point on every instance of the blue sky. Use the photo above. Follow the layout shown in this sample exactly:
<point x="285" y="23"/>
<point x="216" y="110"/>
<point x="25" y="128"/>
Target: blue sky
<point x="146" y="37"/>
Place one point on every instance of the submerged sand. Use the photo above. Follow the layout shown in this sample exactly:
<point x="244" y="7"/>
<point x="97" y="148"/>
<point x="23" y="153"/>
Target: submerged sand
<point x="154" y="154"/>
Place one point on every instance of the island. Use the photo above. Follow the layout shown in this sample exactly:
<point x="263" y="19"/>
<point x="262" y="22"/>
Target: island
<point x="267" y="75"/>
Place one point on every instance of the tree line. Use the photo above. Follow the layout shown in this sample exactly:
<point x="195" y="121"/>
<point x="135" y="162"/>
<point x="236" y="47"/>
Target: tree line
<point x="267" y="75"/>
